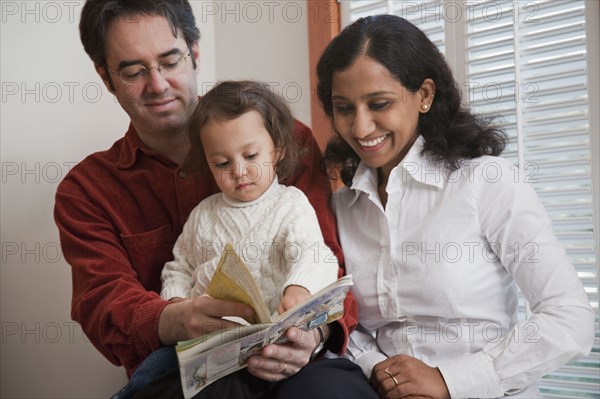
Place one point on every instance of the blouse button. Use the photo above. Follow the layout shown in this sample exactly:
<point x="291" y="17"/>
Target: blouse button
<point x="182" y="174"/>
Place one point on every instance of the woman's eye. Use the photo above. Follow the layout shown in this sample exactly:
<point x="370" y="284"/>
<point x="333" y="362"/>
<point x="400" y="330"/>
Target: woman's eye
<point x="342" y="109"/>
<point x="380" y="105"/>
<point x="221" y="165"/>
<point x="251" y="156"/>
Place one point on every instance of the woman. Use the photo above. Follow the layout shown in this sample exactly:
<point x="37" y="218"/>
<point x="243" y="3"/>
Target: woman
<point x="438" y="231"/>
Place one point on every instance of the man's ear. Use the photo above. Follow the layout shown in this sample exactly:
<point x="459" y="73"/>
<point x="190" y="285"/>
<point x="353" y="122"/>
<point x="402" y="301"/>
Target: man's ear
<point x="195" y="49"/>
<point x="105" y="76"/>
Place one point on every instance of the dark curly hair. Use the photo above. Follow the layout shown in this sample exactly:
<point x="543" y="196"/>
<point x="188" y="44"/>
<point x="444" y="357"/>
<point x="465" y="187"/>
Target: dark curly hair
<point x="231" y="99"/>
<point x="452" y="133"/>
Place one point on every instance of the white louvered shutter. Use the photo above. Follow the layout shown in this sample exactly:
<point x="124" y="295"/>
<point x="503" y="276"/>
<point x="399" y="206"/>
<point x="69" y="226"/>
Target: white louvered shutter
<point x="526" y="62"/>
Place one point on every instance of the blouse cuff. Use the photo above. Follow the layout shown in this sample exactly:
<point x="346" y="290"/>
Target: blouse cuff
<point x="368" y="361"/>
<point x="471" y="376"/>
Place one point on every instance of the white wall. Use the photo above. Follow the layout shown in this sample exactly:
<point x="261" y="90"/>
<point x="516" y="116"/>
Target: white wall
<point x="266" y="41"/>
<point x="54" y="112"/>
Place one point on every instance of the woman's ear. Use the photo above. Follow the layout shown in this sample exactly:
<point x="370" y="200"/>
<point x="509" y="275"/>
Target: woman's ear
<point x="427" y="92"/>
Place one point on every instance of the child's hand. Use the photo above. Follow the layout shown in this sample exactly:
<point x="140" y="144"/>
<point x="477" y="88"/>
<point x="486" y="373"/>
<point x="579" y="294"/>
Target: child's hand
<point x="292" y="295"/>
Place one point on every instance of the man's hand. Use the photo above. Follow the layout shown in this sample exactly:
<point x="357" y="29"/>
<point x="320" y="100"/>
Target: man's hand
<point x="277" y="362"/>
<point x="191" y="317"/>
<point x="292" y="295"/>
<point x="404" y="376"/>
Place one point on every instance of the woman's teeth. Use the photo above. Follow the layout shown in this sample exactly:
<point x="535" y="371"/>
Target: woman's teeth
<point x="373" y="142"/>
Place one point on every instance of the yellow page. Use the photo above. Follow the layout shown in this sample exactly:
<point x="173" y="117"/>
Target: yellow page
<point x="233" y="281"/>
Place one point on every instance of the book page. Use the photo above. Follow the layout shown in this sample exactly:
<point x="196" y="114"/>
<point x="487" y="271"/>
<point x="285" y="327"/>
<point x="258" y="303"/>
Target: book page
<point x="203" y="361"/>
<point x="233" y="282"/>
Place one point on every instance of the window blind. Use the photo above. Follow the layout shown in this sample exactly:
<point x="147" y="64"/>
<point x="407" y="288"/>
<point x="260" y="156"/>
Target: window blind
<point x="525" y="61"/>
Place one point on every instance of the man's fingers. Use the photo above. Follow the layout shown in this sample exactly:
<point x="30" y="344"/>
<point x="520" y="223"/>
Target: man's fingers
<point x="217" y="308"/>
<point x="217" y="324"/>
<point x="205" y="315"/>
<point x="270" y="369"/>
<point x="302" y="339"/>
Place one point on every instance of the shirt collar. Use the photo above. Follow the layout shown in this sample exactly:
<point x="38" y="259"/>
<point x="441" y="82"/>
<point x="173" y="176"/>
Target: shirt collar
<point x="414" y="166"/>
<point x="364" y="180"/>
<point x="131" y="148"/>
<point x="420" y="167"/>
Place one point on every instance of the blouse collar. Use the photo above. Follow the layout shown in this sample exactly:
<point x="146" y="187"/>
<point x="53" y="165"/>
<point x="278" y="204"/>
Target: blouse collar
<point x="415" y="165"/>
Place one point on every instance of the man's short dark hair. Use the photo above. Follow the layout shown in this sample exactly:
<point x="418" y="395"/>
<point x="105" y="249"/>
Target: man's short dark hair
<point x="97" y="15"/>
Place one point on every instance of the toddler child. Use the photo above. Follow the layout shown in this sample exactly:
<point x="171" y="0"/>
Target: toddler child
<point x="243" y="132"/>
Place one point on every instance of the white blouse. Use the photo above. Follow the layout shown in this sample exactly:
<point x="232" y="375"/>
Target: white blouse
<point x="436" y="274"/>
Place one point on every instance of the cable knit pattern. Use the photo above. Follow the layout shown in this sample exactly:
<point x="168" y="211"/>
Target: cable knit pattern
<point x="277" y="235"/>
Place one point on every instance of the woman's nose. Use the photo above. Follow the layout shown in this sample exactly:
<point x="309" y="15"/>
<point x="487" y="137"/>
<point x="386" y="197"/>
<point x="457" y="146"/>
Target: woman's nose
<point x="363" y="124"/>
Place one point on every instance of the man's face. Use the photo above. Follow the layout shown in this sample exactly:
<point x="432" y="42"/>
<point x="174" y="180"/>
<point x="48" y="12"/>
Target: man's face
<point x="160" y="103"/>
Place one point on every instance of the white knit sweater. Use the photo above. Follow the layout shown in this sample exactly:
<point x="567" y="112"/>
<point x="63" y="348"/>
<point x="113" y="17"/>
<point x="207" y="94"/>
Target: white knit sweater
<point x="277" y="235"/>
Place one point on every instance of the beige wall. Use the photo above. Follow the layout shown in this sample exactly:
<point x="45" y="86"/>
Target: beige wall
<point x="55" y="111"/>
<point x="273" y="49"/>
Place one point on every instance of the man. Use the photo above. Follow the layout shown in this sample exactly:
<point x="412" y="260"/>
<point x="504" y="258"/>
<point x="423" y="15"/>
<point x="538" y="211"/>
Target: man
<point x="120" y="211"/>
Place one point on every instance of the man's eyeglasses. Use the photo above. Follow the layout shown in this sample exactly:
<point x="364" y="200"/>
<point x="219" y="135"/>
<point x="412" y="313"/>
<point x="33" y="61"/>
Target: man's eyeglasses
<point x="168" y="67"/>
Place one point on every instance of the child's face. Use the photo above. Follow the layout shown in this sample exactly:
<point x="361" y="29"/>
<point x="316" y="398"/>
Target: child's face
<point x="241" y="155"/>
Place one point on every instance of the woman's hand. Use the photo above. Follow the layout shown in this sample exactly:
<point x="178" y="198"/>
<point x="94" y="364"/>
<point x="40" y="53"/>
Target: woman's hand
<point x="277" y="362"/>
<point x="404" y="376"/>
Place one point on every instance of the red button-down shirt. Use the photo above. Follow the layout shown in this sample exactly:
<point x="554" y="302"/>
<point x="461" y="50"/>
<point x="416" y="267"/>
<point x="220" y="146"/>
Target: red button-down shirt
<point x="119" y="213"/>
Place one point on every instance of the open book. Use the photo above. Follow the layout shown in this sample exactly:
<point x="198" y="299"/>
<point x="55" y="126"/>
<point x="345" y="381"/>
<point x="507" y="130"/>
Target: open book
<point x="207" y="358"/>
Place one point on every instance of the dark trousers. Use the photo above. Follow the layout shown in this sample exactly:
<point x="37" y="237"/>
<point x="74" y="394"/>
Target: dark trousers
<point x="156" y="378"/>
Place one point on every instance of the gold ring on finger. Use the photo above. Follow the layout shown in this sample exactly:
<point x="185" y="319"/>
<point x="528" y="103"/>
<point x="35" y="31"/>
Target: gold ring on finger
<point x="388" y="372"/>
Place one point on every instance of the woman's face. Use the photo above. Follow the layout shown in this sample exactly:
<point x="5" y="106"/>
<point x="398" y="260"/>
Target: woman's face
<point x="375" y="114"/>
